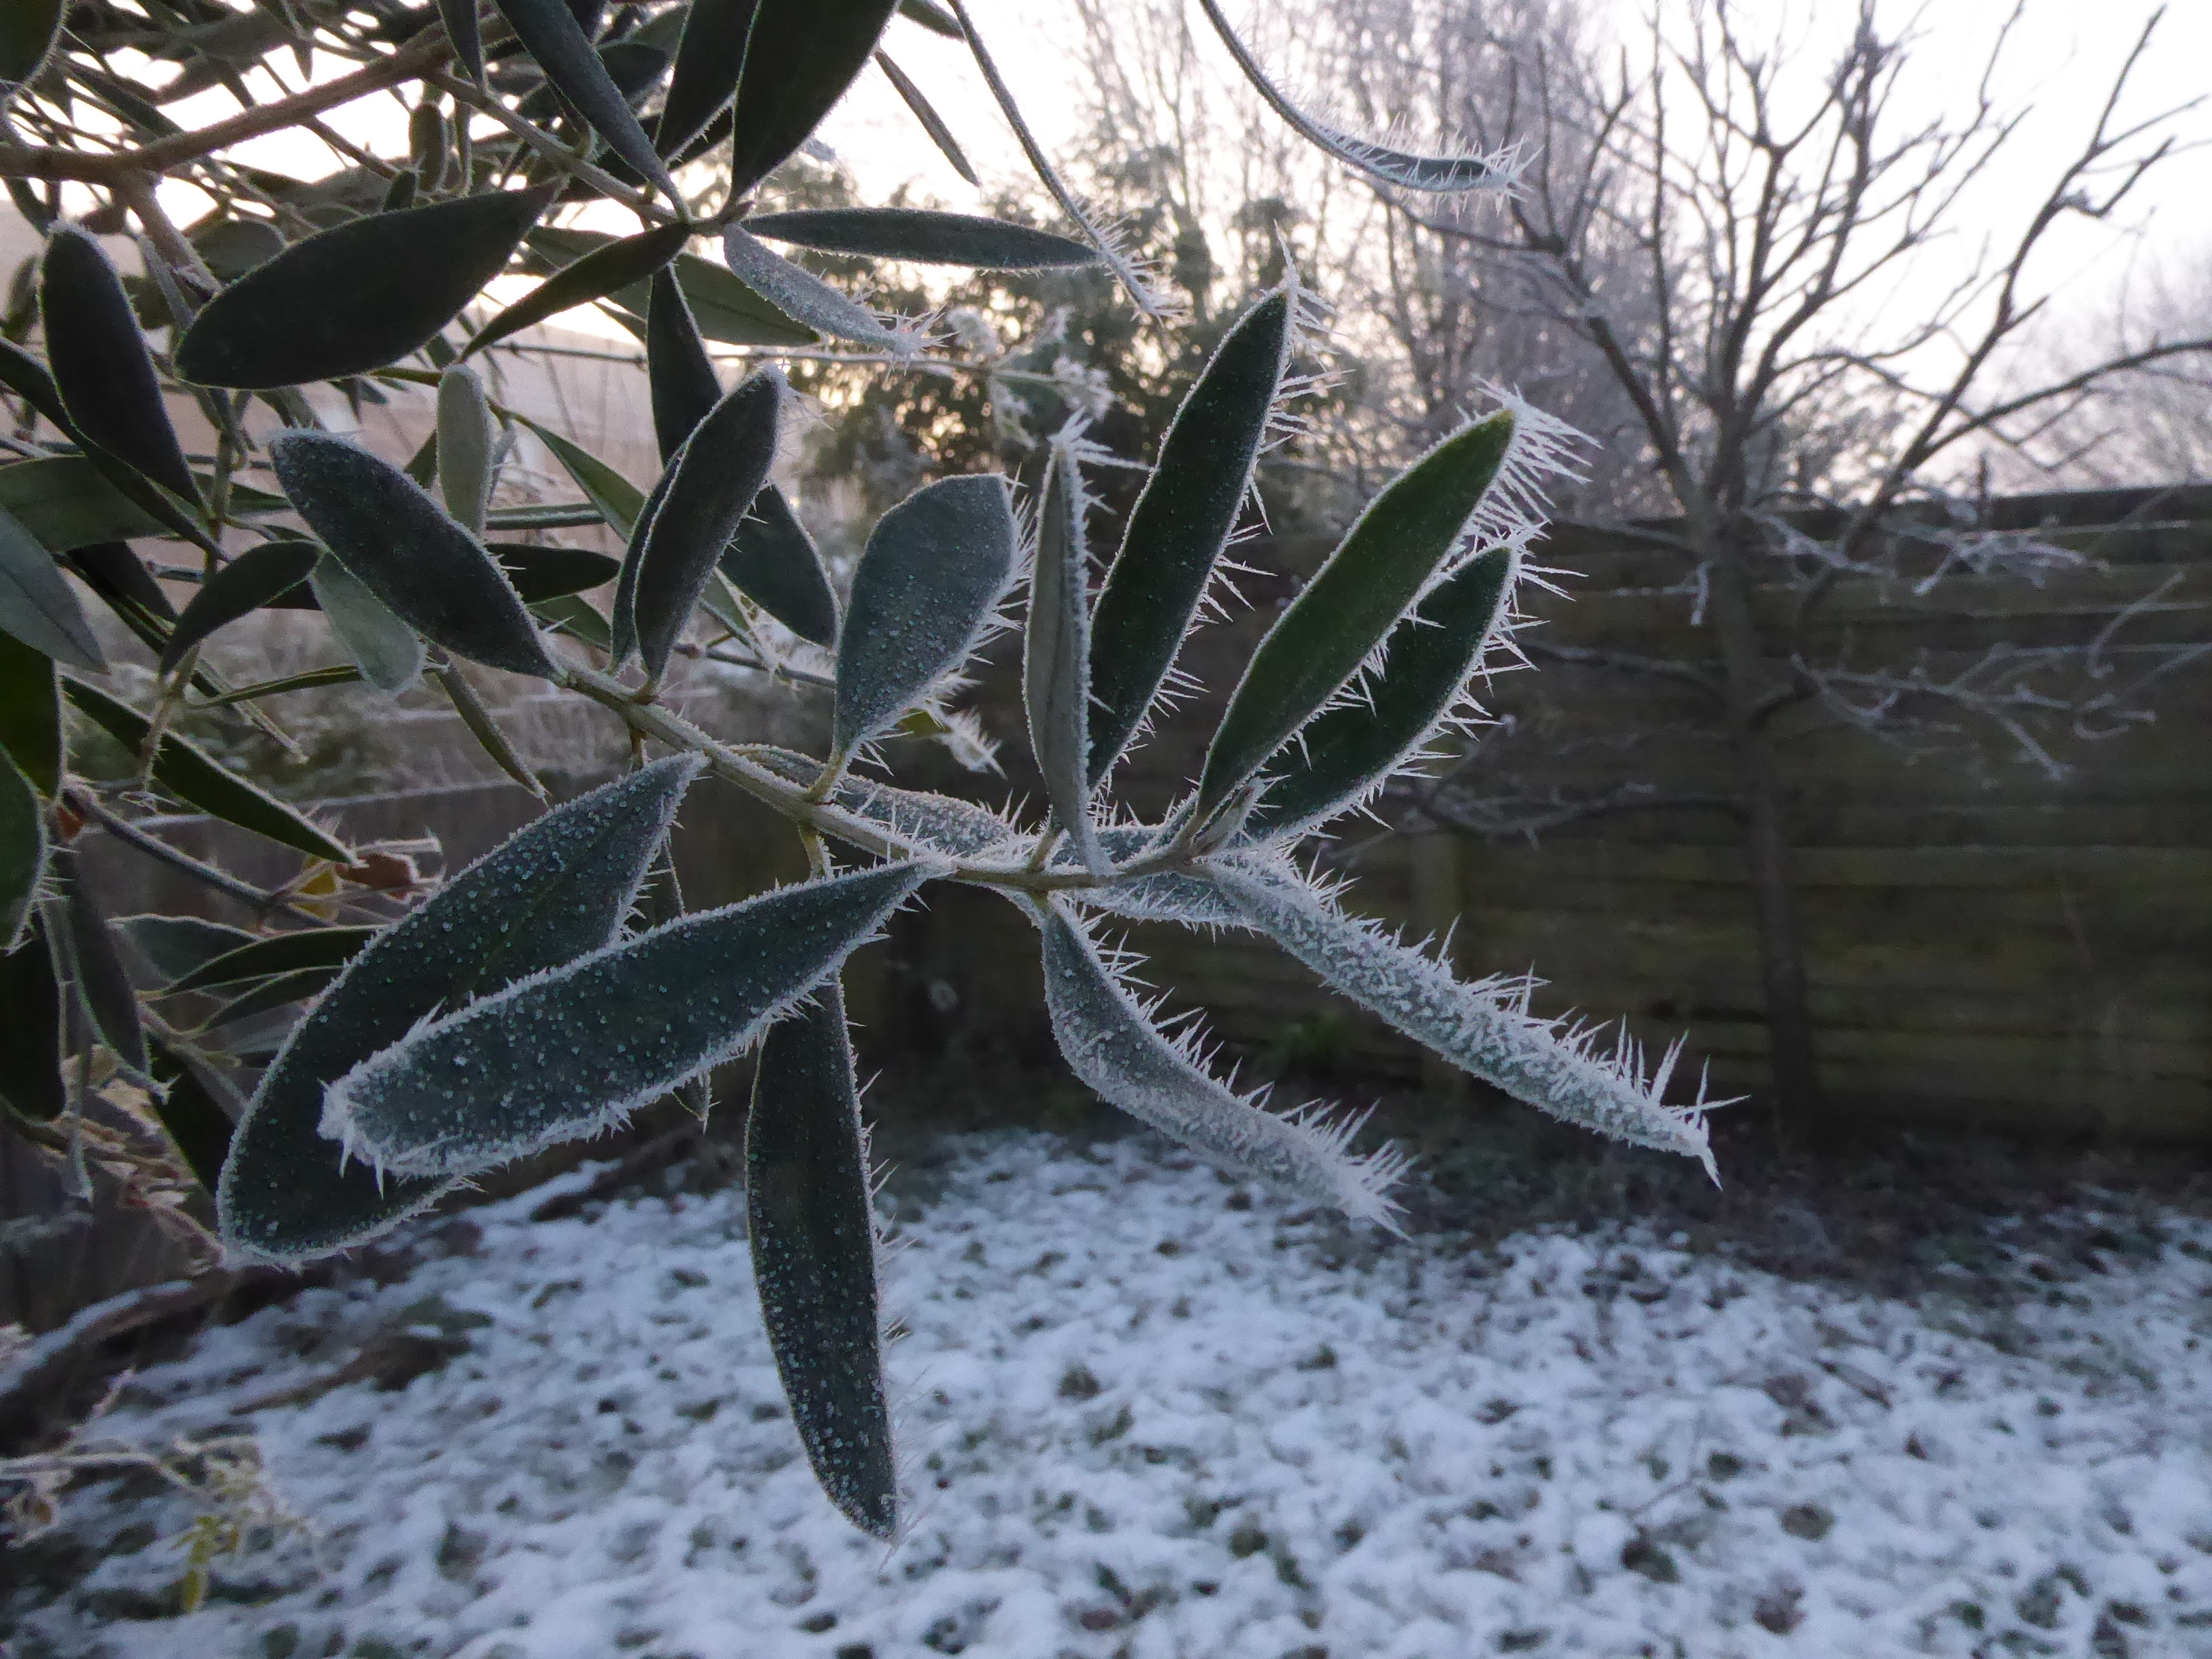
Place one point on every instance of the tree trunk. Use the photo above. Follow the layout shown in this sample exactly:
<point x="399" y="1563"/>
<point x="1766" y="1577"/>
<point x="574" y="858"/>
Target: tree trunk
<point x="1794" y="1066"/>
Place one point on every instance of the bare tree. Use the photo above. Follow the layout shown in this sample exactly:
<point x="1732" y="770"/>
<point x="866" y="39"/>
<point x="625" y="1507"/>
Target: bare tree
<point x="1801" y="383"/>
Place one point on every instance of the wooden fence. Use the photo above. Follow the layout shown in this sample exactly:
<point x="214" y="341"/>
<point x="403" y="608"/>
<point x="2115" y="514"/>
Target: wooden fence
<point x="1987" y="942"/>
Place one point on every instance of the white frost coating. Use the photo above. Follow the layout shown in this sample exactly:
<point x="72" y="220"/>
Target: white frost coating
<point x="1111" y="1042"/>
<point x="385" y="1082"/>
<point x="1484" y="1027"/>
<point x="1056" y="655"/>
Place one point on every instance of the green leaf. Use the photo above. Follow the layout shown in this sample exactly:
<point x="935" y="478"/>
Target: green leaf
<point x="625" y="611"/>
<point x="933" y="17"/>
<point x="800" y="58"/>
<point x="540" y="574"/>
<point x="271" y="995"/>
<point x="605" y="269"/>
<point x="26" y="377"/>
<point x="31" y="1059"/>
<point x="775" y="563"/>
<point x="721" y="468"/>
<point x="36" y="604"/>
<point x="99" y="363"/>
<point x="709" y="56"/>
<point x="724" y="307"/>
<point x="283" y="953"/>
<point x="800" y="293"/>
<point x="1343" y="755"/>
<point x="1110" y="1042"/>
<point x="31" y="714"/>
<point x="1440" y="173"/>
<point x="466" y="443"/>
<point x="173" y="946"/>
<point x="22" y="851"/>
<point x="1353" y="601"/>
<point x="313" y="679"/>
<point x="926" y="112"/>
<point x="1484" y="1028"/>
<point x="926" y="238"/>
<point x="356" y="297"/>
<point x="552" y="34"/>
<point x="429" y="571"/>
<point x="257" y="577"/>
<point x="574" y="1052"/>
<point x="812" y="1230"/>
<point x="193" y="1110"/>
<point x="680" y="374"/>
<point x="1056" y="653"/>
<point x="28" y="29"/>
<point x="466" y="31"/>
<point x="1180" y="523"/>
<point x="558" y="888"/>
<point x="928" y="584"/>
<point x="198" y="781"/>
<point x="65" y="503"/>
<point x="617" y="499"/>
<point x="579" y="620"/>
<point x="388" y="653"/>
<point x="101" y="979"/>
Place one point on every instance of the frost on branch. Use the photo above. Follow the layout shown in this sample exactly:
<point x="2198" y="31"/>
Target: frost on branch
<point x="1109" y="1041"/>
<point x="1485" y="1027"/>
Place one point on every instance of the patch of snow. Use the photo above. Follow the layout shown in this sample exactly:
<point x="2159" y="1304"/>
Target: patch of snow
<point x="1147" y="1412"/>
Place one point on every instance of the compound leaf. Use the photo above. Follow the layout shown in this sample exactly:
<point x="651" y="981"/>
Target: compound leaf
<point x="36" y="604"/>
<point x="928" y="584"/>
<point x="1110" y="1042"/>
<point x="1353" y="601"/>
<point x="722" y="467"/>
<point x="1344" y="754"/>
<point x="550" y="34"/>
<point x="548" y="895"/>
<point x="813" y="1228"/>
<point x="387" y="533"/>
<point x="257" y="577"/>
<point x="800" y="58"/>
<point x="572" y="1052"/>
<point x="1180" y="523"/>
<point x="194" y="779"/>
<point x="775" y="563"/>
<point x="100" y="364"/>
<point x="357" y="296"/>
<point x="924" y="237"/>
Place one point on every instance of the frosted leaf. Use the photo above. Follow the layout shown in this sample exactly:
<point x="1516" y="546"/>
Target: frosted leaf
<point x="1110" y="1042"/>
<point x="1056" y="654"/>
<point x="573" y="1051"/>
<point x="1484" y="1027"/>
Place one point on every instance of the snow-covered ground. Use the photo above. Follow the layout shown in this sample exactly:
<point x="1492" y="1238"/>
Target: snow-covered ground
<point x="1148" y="1413"/>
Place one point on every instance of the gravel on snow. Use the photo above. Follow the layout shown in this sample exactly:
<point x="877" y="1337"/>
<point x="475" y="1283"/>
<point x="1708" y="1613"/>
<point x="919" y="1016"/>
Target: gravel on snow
<point x="1149" y="1412"/>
